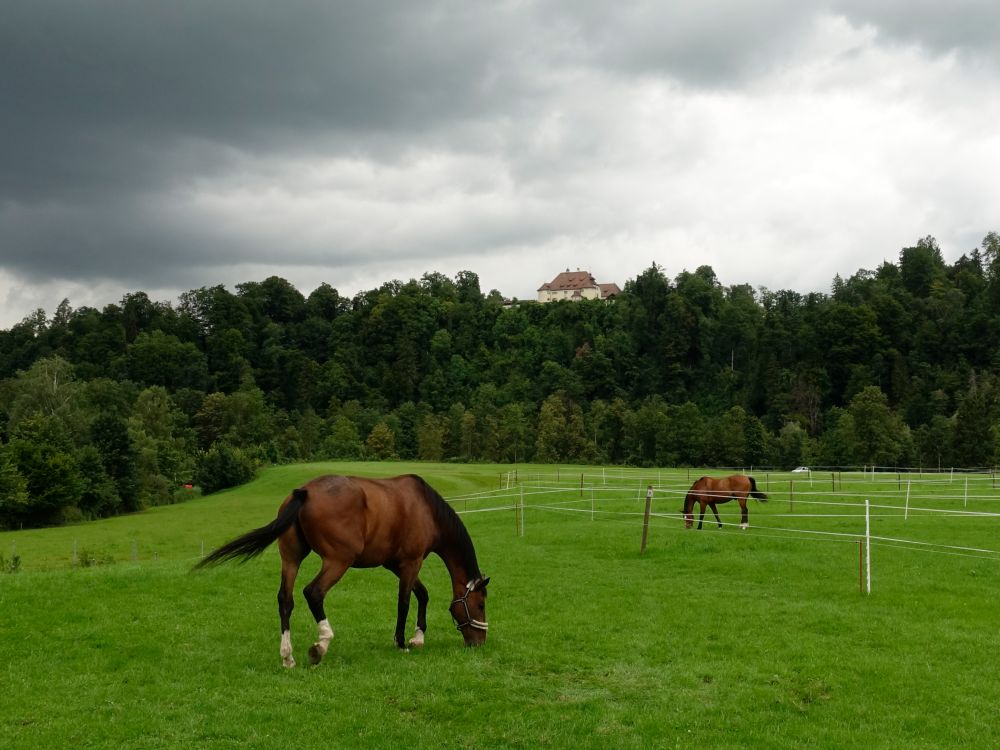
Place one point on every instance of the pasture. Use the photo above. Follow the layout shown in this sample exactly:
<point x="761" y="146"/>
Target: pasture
<point x="714" y="638"/>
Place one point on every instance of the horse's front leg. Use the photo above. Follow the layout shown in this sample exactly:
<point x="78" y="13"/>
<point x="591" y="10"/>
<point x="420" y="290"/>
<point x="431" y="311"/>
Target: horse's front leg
<point x="701" y="516"/>
<point x="715" y="511"/>
<point x="420" y="591"/>
<point x="407" y="582"/>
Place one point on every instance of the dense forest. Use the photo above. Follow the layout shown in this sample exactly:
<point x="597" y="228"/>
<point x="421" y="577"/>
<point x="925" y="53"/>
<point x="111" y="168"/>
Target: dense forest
<point x="109" y="411"/>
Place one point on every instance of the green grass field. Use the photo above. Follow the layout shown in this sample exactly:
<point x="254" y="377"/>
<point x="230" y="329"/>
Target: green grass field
<point x="719" y="638"/>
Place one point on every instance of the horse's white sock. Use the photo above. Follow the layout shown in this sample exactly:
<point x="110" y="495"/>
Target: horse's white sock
<point x="418" y="638"/>
<point x="286" y="649"/>
<point x="324" y="636"/>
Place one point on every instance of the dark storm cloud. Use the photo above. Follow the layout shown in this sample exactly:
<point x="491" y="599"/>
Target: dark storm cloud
<point x="104" y="93"/>
<point x="111" y="108"/>
<point x="97" y="93"/>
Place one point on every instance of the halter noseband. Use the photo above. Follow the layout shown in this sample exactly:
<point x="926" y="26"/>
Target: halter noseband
<point x="470" y="621"/>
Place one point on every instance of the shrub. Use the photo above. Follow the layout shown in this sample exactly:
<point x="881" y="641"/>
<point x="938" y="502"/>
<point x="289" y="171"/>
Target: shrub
<point x="88" y="559"/>
<point x="222" y="466"/>
<point x="11" y="566"/>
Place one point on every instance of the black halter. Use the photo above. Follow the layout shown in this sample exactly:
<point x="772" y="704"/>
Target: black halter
<point x="470" y="621"/>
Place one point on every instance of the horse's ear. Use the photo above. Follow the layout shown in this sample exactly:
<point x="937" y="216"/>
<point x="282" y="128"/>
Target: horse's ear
<point x="481" y="583"/>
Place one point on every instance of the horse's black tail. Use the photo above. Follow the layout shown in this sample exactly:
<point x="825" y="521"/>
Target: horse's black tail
<point x="754" y="492"/>
<point x="254" y="542"/>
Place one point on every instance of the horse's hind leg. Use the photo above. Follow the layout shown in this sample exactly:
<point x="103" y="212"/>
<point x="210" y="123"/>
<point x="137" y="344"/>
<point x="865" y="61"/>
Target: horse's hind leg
<point x="744" y="517"/>
<point x="292" y="555"/>
<point x="331" y="572"/>
<point x="286" y="603"/>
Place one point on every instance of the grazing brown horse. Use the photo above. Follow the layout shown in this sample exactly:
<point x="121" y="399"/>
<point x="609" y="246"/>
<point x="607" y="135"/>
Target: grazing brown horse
<point x="711" y="492"/>
<point x="366" y="523"/>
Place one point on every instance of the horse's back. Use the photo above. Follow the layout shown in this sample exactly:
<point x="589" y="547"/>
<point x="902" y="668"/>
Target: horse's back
<point x="734" y="482"/>
<point x="367" y="522"/>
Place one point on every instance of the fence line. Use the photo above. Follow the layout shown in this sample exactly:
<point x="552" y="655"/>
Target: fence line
<point x="623" y="490"/>
<point x="790" y="533"/>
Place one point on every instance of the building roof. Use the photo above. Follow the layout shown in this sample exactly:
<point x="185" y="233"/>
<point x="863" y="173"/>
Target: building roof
<point x="609" y="290"/>
<point x="569" y="280"/>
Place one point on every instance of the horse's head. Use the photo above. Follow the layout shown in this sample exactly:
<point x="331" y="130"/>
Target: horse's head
<point x="688" y="510"/>
<point x="469" y="611"/>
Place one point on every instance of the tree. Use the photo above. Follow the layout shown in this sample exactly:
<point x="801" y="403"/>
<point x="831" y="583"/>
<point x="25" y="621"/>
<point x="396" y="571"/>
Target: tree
<point x="14" y="500"/>
<point x="43" y="452"/>
<point x="164" y="447"/>
<point x="381" y="443"/>
<point x="645" y="301"/>
<point x="758" y="441"/>
<point x="727" y="442"/>
<point x="113" y="446"/>
<point x="223" y="466"/>
<point x="430" y="438"/>
<point x="274" y="299"/>
<point x="934" y="442"/>
<point x="561" y="435"/>
<point x="512" y="433"/>
<point x="48" y="389"/>
<point x="974" y="421"/>
<point x="242" y="419"/>
<point x="879" y="433"/>
<point x="325" y="303"/>
<point x="227" y="362"/>
<point x="99" y="496"/>
<point x="469" y="436"/>
<point x="343" y="441"/>
<point x="157" y="358"/>
<point x="646" y="425"/>
<point x="921" y="266"/>
<point x="406" y="420"/>
<point x="310" y="430"/>
<point x="214" y="309"/>
<point x="793" y="447"/>
<point x="682" y="439"/>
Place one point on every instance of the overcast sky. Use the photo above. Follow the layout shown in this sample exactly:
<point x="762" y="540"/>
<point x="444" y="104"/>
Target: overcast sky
<point x="165" y="146"/>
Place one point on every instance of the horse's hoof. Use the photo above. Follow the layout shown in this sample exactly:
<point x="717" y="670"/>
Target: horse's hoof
<point x="288" y="663"/>
<point x="315" y="654"/>
<point x="744" y="526"/>
<point x="417" y="641"/>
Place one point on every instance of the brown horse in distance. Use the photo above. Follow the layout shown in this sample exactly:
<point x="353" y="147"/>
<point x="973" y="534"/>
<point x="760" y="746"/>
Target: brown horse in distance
<point x="365" y="523"/>
<point x="710" y="492"/>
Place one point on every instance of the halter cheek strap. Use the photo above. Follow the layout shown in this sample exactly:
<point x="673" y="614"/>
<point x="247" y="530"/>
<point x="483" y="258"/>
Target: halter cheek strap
<point x="470" y="621"/>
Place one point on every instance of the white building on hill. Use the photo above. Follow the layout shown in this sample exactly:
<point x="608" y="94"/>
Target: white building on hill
<point x="576" y="285"/>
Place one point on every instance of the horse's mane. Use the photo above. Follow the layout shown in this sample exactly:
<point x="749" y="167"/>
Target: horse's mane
<point x="452" y="529"/>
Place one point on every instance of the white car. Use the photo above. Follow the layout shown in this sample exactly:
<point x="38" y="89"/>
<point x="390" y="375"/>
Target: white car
<point x="801" y="470"/>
